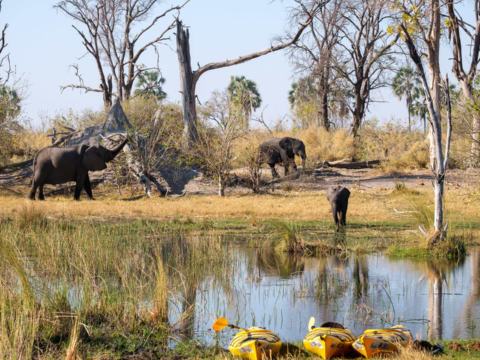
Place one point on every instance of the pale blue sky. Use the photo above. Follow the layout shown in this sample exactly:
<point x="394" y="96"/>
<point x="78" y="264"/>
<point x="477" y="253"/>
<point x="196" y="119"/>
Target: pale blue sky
<point x="42" y="45"/>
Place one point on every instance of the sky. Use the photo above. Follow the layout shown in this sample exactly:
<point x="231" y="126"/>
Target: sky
<point x="42" y="44"/>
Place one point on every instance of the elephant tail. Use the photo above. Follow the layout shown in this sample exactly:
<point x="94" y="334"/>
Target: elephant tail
<point x="34" y="166"/>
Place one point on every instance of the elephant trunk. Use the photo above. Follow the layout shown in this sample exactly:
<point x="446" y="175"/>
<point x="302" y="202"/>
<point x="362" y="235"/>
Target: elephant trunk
<point x="114" y="152"/>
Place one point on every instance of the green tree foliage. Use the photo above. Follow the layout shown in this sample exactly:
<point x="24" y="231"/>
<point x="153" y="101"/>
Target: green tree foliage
<point x="10" y="108"/>
<point x="405" y="83"/>
<point x="244" y="93"/>
<point x="305" y="101"/>
<point x="150" y="84"/>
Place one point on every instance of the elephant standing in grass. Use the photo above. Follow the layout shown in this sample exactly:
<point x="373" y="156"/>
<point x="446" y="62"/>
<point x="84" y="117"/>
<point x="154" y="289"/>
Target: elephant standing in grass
<point x="338" y="198"/>
<point x="58" y="165"/>
<point x="283" y="150"/>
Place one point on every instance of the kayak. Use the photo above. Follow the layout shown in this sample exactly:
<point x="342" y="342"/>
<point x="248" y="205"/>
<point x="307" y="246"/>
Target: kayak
<point x="329" y="340"/>
<point x="382" y="341"/>
<point x="255" y="344"/>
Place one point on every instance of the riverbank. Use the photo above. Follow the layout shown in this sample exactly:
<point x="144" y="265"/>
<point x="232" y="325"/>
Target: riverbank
<point x="121" y="277"/>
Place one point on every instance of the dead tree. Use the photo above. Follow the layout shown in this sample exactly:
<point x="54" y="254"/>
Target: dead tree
<point x="314" y="53"/>
<point x="109" y="39"/>
<point x="465" y="79"/>
<point x="4" y="58"/>
<point x="440" y="168"/>
<point x="368" y="48"/>
<point x="189" y="78"/>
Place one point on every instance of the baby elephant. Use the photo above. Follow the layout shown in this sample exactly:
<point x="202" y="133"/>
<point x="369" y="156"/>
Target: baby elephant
<point x="338" y="198"/>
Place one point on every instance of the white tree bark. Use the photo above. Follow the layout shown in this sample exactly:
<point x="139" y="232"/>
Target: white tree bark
<point x="221" y="186"/>
<point x="466" y="78"/>
<point x="439" y="166"/>
<point x="435" y="308"/>
<point x="136" y="168"/>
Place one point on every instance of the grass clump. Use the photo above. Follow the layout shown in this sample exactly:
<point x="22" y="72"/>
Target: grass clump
<point x="286" y="237"/>
<point x="31" y="215"/>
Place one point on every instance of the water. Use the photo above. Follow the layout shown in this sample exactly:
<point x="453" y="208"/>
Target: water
<point x="435" y="299"/>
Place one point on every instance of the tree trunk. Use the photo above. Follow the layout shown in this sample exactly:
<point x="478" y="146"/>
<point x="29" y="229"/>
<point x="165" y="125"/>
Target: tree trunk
<point x="107" y="92"/>
<point x="221" y="186"/>
<point x="439" y="163"/>
<point x="187" y="86"/>
<point x="435" y="309"/>
<point x="325" y="120"/>
<point x="136" y="169"/>
<point x="438" y="196"/>
<point x="409" y="104"/>
<point x="357" y="114"/>
<point x="324" y="89"/>
<point x="433" y="61"/>
<point x="475" y="152"/>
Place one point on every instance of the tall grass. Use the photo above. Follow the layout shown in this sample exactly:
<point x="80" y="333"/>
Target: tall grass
<point x="66" y="286"/>
<point x="423" y="214"/>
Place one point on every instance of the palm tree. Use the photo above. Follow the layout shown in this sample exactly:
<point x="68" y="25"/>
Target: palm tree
<point x="419" y="106"/>
<point x="150" y="84"/>
<point x="404" y="83"/>
<point x="244" y="92"/>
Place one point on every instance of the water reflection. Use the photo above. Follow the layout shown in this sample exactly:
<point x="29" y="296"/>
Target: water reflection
<point x="281" y="292"/>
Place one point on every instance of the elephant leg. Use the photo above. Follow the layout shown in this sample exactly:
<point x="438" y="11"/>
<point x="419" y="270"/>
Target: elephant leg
<point x="79" y="186"/>
<point x="40" y="193"/>
<point x="274" y="172"/>
<point x="340" y="217"/>
<point x="286" y="170"/>
<point x="334" y="212"/>
<point x="33" y="191"/>
<point x="88" y="188"/>
<point x="344" y="214"/>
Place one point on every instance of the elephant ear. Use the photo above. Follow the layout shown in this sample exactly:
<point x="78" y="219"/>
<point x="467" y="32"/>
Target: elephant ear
<point x="347" y="192"/>
<point x="298" y="146"/>
<point x="93" y="159"/>
<point x="286" y="145"/>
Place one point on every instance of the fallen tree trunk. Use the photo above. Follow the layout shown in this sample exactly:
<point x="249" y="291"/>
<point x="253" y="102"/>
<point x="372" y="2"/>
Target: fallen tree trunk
<point x="291" y="177"/>
<point x="352" y="165"/>
<point x="30" y="161"/>
<point x="17" y="165"/>
<point x="63" y="188"/>
<point x="64" y="138"/>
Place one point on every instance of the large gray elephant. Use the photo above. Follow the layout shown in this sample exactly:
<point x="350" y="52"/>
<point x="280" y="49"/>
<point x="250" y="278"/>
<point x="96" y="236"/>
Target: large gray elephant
<point x="338" y="197"/>
<point x="58" y="165"/>
<point x="283" y="150"/>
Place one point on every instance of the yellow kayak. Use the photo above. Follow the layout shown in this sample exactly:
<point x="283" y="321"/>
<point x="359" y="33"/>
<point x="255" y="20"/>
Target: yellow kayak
<point x="382" y="341"/>
<point x="255" y="344"/>
<point x="329" y="340"/>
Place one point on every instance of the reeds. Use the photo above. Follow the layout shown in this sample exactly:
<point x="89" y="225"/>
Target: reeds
<point x="64" y="282"/>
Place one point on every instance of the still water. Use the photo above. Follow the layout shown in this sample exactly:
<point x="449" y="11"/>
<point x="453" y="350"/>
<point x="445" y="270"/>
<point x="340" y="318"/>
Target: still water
<point x="436" y="299"/>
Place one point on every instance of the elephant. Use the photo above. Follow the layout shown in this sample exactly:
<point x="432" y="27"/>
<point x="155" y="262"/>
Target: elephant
<point x="58" y="165"/>
<point x="283" y="150"/>
<point x="338" y="198"/>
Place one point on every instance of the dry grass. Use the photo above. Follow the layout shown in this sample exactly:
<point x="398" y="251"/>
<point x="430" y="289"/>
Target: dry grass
<point x="298" y="205"/>
<point x="403" y="150"/>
